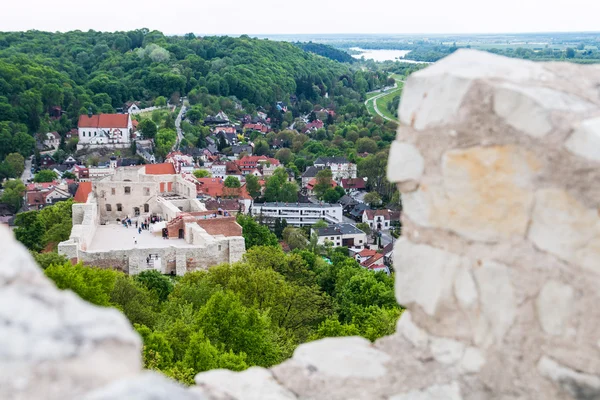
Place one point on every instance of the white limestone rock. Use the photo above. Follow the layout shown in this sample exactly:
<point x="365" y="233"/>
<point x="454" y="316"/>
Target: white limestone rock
<point x="497" y="302"/>
<point x="585" y="140"/>
<point x="446" y="351"/>
<point x="486" y="194"/>
<point x="577" y="384"/>
<point x="424" y="274"/>
<point x="146" y="386"/>
<point x="553" y="306"/>
<point x="563" y="227"/>
<point x="53" y="345"/>
<point x="405" y="163"/>
<point x="450" y="391"/>
<point x="528" y="108"/>
<point x="465" y="288"/>
<point x="472" y="360"/>
<point x="343" y="357"/>
<point x="415" y="335"/>
<point x="255" y="383"/>
<point x="433" y="97"/>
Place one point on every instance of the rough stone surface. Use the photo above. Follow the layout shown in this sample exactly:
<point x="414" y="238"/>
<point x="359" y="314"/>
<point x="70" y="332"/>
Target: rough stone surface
<point x="407" y="164"/>
<point x="585" y="141"/>
<point x="146" y="386"/>
<point x="554" y="306"/>
<point x="254" y="383"/>
<point x="435" y="392"/>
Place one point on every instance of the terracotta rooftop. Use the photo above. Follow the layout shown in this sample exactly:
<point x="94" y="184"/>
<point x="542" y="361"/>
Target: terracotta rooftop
<point x="369" y="263"/>
<point x="374" y="213"/>
<point x="367" y="253"/>
<point x="84" y="189"/>
<point x="160" y="169"/>
<point x="104" y="121"/>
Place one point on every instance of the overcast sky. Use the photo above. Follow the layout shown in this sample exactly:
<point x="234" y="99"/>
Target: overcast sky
<point x="303" y="16"/>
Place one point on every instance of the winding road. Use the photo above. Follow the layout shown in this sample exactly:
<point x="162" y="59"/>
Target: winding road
<point x="178" y="127"/>
<point x="384" y="93"/>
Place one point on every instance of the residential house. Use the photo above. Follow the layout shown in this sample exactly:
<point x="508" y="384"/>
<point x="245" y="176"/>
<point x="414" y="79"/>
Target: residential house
<point x="377" y="219"/>
<point x="183" y="164"/>
<point x="220" y="119"/>
<point x="248" y="164"/>
<point x="340" y="167"/>
<point x="357" y="184"/>
<point x="214" y="188"/>
<point x="313" y="126"/>
<point x="310" y="173"/>
<point x="132" y="107"/>
<point x="238" y="149"/>
<point x="357" y="211"/>
<point x="347" y="203"/>
<point x="372" y="260"/>
<point x="218" y="170"/>
<point x="46" y="161"/>
<point x="52" y="140"/>
<point x="105" y="129"/>
<point x="346" y="235"/>
<point x="259" y="127"/>
<point x="310" y="186"/>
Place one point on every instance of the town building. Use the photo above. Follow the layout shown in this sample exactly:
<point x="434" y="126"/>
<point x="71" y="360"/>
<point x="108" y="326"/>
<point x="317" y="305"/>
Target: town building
<point x="105" y="129"/>
<point x="299" y="214"/>
<point x="340" y="167"/>
<point x="372" y="260"/>
<point x="182" y="163"/>
<point x="357" y="184"/>
<point x="182" y="235"/>
<point x="346" y="235"/>
<point x="310" y="186"/>
<point x="52" y="140"/>
<point x="377" y="219"/>
<point x="310" y="173"/>
<point x="248" y="164"/>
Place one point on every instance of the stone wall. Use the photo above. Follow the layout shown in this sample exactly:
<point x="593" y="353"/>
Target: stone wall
<point x="498" y="162"/>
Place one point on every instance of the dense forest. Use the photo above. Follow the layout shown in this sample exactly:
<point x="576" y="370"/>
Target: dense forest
<point x="254" y="312"/>
<point x="326" y="51"/>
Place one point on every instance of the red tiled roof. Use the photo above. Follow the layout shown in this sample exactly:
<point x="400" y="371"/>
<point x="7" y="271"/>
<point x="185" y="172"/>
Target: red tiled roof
<point x="311" y="184"/>
<point x="104" y="121"/>
<point x="84" y="189"/>
<point x="353" y="183"/>
<point x="160" y="169"/>
<point x="214" y="187"/>
<point x="36" y="197"/>
<point x="371" y="214"/>
<point x="367" y="253"/>
<point x="368" y="263"/>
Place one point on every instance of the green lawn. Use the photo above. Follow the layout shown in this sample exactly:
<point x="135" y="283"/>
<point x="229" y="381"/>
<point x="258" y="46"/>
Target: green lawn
<point x="383" y="101"/>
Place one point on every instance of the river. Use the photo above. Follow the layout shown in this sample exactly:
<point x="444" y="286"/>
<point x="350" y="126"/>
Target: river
<point x="382" y="55"/>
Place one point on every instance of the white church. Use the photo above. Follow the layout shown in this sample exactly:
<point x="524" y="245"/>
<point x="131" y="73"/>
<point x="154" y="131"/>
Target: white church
<point x="105" y="129"/>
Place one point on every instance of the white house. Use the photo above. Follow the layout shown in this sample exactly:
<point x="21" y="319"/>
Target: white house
<point x="377" y="219"/>
<point x="340" y="167"/>
<point x="52" y="140"/>
<point x="300" y="214"/>
<point x="104" y="129"/>
<point x="346" y="235"/>
<point x="218" y="170"/>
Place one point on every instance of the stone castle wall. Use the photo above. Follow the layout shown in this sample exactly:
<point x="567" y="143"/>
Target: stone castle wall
<point x="498" y="162"/>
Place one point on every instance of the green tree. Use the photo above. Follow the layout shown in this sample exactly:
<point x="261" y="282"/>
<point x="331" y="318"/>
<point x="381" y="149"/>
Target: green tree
<point x="45" y="260"/>
<point x="45" y="175"/>
<point x="366" y="145"/>
<point x="331" y="196"/>
<point x="373" y="199"/>
<point x="148" y="128"/>
<point x="255" y="234"/>
<point x="232" y="182"/>
<point x="17" y="162"/>
<point x="253" y="186"/>
<point x="160" y="101"/>
<point x="323" y="183"/>
<point x="29" y="230"/>
<point x="156" y="282"/>
<point x="202" y="173"/>
<point x="284" y="155"/>
<point x="295" y="238"/>
<point x="14" y="190"/>
<point x="320" y="224"/>
<point x="569" y="52"/>
<point x="91" y="284"/>
<point x="57" y="222"/>
<point x="363" y="226"/>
